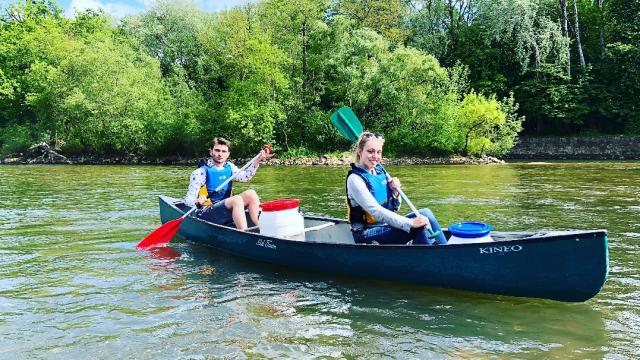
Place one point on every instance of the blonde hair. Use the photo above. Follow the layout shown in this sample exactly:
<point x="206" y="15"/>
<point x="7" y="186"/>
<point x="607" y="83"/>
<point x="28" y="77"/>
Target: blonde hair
<point x="363" y="139"/>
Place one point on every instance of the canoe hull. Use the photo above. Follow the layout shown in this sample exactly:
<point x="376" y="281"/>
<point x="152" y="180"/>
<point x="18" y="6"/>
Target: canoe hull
<point x="571" y="267"/>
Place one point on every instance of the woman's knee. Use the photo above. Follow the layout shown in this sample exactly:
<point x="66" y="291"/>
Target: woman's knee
<point x="426" y="212"/>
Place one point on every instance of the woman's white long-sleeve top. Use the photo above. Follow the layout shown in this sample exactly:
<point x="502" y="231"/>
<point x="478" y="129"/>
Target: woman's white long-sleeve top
<point x="359" y="195"/>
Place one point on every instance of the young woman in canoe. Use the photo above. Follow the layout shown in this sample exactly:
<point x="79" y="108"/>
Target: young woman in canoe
<point x="372" y="199"/>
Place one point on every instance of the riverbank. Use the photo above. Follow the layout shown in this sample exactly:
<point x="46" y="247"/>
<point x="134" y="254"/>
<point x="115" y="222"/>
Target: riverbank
<point x="43" y="154"/>
<point x="605" y="147"/>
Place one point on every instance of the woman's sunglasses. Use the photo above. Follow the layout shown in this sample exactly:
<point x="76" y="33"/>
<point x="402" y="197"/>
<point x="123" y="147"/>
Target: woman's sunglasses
<point x="369" y="135"/>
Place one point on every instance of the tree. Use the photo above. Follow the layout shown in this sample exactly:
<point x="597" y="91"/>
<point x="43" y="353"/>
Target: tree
<point x="171" y="32"/>
<point x="616" y="84"/>
<point x="482" y="122"/>
<point x="564" y="23"/>
<point x="426" y="23"/>
<point x="291" y="24"/>
<point x="601" y="41"/>
<point x="576" y="30"/>
<point x="33" y="43"/>
<point x="383" y="16"/>
<point x="534" y="38"/>
<point x="256" y="87"/>
<point x="112" y="102"/>
<point x="166" y="80"/>
<point x="553" y="103"/>
<point x="401" y="91"/>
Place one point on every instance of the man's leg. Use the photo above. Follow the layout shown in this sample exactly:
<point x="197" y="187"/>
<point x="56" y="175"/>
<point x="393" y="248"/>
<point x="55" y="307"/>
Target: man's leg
<point x="216" y="213"/>
<point x="236" y="205"/>
<point x="251" y="202"/>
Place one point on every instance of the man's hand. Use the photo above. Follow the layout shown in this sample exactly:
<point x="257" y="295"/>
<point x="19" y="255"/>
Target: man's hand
<point x="266" y="153"/>
<point x="201" y="200"/>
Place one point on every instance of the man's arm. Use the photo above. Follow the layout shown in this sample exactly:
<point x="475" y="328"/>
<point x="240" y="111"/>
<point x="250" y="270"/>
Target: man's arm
<point x="247" y="174"/>
<point x="198" y="178"/>
<point x="250" y="171"/>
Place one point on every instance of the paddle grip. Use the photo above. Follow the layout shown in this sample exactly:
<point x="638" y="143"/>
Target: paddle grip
<point x="432" y="234"/>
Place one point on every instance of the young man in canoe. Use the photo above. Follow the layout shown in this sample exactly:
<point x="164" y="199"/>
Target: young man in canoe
<point x="373" y="199"/>
<point x="221" y="207"/>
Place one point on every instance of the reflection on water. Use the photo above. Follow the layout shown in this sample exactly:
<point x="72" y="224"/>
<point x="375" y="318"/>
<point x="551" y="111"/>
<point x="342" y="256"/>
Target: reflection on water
<point x="72" y="284"/>
<point x="307" y="308"/>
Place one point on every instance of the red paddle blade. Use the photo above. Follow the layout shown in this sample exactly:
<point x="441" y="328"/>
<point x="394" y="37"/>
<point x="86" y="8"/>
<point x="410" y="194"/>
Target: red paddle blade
<point x="161" y="235"/>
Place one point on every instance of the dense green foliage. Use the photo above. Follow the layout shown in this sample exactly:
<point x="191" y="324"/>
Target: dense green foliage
<point x="578" y="79"/>
<point x="427" y="74"/>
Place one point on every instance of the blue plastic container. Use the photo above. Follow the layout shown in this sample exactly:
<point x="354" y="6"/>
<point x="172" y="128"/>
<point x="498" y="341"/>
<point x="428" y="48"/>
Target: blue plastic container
<point x="469" y="232"/>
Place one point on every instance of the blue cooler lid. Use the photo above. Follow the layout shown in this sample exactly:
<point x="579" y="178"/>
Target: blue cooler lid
<point x="470" y="230"/>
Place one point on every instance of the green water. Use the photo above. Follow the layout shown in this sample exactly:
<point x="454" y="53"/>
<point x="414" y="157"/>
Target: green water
<point x="73" y="287"/>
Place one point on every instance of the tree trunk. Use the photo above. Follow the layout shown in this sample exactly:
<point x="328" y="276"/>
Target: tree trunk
<point x="304" y="60"/>
<point x="564" y="24"/>
<point x="536" y="55"/>
<point x="583" y="65"/>
<point x="452" y="31"/>
<point x="601" y="38"/>
<point x="53" y="137"/>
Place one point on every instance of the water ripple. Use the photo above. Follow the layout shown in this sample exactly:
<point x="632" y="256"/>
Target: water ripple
<point x="72" y="285"/>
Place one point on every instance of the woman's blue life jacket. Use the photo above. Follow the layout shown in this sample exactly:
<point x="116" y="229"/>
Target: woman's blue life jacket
<point x="379" y="187"/>
<point x="215" y="177"/>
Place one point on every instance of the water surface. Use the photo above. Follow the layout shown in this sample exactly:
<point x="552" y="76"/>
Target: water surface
<point x="72" y="285"/>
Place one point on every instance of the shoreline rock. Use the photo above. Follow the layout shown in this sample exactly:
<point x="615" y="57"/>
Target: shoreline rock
<point x="345" y="161"/>
<point x="43" y="154"/>
<point x="603" y="147"/>
<point x="40" y="153"/>
<point x="618" y="147"/>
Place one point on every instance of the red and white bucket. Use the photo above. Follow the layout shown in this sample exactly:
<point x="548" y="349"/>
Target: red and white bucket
<point x="281" y="218"/>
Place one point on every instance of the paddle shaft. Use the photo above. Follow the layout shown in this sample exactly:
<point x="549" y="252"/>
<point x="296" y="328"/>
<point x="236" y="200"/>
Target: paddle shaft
<point x="313" y="228"/>
<point x="405" y="198"/>
<point x="432" y="233"/>
<point x="227" y="181"/>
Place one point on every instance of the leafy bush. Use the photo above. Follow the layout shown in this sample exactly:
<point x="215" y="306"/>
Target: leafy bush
<point x="487" y="126"/>
<point x="296" y="153"/>
<point x="15" y="138"/>
<point x="558" y="104"/>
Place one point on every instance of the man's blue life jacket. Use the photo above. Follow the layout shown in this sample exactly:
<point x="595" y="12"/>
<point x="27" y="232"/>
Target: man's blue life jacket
<point x="215" y="177"/>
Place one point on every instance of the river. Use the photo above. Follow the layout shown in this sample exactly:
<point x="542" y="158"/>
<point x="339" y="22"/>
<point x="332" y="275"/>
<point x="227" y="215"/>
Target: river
<point x="72" y="286"/>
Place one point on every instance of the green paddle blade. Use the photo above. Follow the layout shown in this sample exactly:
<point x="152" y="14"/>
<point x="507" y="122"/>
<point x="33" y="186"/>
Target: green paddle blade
<point x="347" y="123"/>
